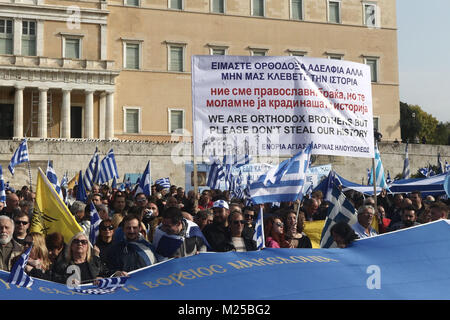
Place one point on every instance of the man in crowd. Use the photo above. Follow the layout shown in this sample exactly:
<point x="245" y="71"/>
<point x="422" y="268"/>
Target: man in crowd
<point x="416" y="198"/>
<point x="12" y="202"/>
<point x="216" y="233"/>
<point x="132" y="251"/>
<point x="21" y="226"/>
<point x="439" y="210"/>
<point x="363" y="227"/>
<point x="178" y="237"/>
<point x="9" y="249"/>
<point x="408" y="219"/>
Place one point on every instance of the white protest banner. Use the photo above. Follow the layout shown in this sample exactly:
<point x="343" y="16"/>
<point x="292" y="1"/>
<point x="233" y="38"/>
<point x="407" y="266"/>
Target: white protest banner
<point x="275" y="106"/>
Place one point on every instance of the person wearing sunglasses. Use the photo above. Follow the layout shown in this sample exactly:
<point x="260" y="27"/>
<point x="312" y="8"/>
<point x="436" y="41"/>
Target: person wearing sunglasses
<point x="105" y="238"/>
<point x="239" y="241"/>
<point x="21" y="225"/>
<point x="88" y="266"/>
<point x="39" y="264"/>
<point x="274" y="233"/>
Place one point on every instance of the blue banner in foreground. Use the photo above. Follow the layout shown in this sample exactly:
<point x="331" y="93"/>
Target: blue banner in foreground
<point x="408" y="264"/>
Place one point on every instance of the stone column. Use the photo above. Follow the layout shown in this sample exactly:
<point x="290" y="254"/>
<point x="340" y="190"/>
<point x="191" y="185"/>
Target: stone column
<point x="18" y="112"/>
<point x="101" y="116"/>
<point x="65" y="114"/>
<point x="109" y="116"/>
<point x="42" y="113"/>
<point x="89" y="115"/>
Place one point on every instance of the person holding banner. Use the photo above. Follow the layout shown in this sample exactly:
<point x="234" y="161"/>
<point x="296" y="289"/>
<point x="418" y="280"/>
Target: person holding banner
<point x="363" y="227"/>
<point x="9" y="249"/>
<point x="274" y="233"/>
<point x="79" y="253"/>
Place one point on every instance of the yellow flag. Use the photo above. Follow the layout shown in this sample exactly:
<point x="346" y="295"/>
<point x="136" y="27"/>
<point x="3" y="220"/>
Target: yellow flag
<point x="313" y="230"/>
<point x="72" y="181"/>
<point x="374" y="224"/>
<point x="51" y="213"/>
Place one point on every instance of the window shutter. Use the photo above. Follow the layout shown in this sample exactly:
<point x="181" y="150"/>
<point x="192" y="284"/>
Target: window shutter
<point x="132" y="56"/>
<point x="73" y="48"/>
<point x="132" y="121"/>
<point x="176" y="120"/>
<point x="297" y="9"/>
<point x="176" y="59"/>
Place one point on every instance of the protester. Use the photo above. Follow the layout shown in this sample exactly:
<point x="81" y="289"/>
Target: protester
<point x="78" y="209"/>
<point x="118" y="212"/>
<point x="104" y="240"/>
<point x="417" y="202"/>
<point x="12" y="203"/>
<point x="363" y="227"/>
<point x="274" y="233"/>
<point x="132" y="251"/>
<point x="78" y="253"/>
<point x="343" y="234"/>
<point x="239" y="240"/>
<point x="203" y="218"/>
<point x="249" y="216"/>
<point x="294" y="230"/>
<point x="178" y="237"/>
<point x="216" y="233"/>
<point x="439" y="210"/>
<point x="152" y="219"/>
<point x="21" y="226"/>
<point x="383" y="222"/>
<point x="9" y="248"/>
<point x="408" y="219"/>
<point x="39" y="263"/>
<point x="55" y="246"/>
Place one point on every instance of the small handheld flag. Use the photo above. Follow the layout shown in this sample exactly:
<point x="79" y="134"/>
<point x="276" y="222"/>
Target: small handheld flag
<point x="18" y="275"/>
<point x="258" y="236"/>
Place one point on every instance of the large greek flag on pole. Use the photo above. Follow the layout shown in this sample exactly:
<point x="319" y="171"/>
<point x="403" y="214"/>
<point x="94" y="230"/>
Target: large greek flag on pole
<point x="18" y="275"/>
<point x="108" y="168"/>
<point x="379" y="171"/>
<point x="145" y="182"/>
<point x="258" y="236"/>
<point x="406" y="171"/>
<point x="51" y="175"/>
<point x="95" y="224"/>
<point x="284" y="182"/>
<point x="19" y="156"/>
<point x="340" y="209"/>
<point x="2" y="187"/>
<point x="216" y="173"/>
<point x="92" y="171"/>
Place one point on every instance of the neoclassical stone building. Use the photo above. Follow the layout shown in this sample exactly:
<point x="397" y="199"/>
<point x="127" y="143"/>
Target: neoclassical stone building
<point x="120" y="69"/>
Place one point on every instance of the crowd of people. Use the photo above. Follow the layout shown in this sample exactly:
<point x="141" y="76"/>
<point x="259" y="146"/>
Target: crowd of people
<point x="138" y="230"/>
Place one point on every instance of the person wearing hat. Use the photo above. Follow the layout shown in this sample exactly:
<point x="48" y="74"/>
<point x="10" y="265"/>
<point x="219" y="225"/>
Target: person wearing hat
<point x="216" y="233"/>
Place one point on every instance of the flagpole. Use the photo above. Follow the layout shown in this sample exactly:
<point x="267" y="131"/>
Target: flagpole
<point x="194" y="162"/>
<point x="29" y="175"/>
<point x="374" y="186"/>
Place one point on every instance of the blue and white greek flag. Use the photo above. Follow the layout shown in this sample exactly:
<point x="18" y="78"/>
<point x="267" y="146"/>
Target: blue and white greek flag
<point x="406" y="171"/>
<point x="108" y="168"/>
<point x="19" y="156"/>
<point x="92" y="171"/>
<point x="95" y="224"/>
<point x="51" y="175"/>
<point x="105" y="285"/>
<point x="388" y="178"/>
<point x="284" y="182"/>
<point x="340" y="209"/>
<point x="379" y="171"/>
<point x="81" y="191"/>
<point x="216" y="173"/>
<point x="144" y="185"/>
<point x="447" y="166"/>
<point x="18" y="275"/>
<point x="258" y="236"/>
<point x="2" y="187"/>
<point x="163" y="182"/>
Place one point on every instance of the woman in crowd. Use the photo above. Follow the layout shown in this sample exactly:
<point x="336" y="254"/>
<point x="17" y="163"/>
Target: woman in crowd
<point x="274" y="233"/>
<point x="294" y="230"/>
<point x="343" y="234"/>
<point x="38" y="262"/>
<point x="78" y="253"/>
<point x="105" y="238"/>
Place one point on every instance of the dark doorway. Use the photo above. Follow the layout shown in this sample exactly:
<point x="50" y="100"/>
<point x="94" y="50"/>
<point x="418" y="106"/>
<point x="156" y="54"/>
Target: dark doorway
<point x="75" y="122"/>
<point x="6" y="121"/>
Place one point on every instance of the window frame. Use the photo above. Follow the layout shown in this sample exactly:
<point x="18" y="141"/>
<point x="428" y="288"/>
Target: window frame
<point x="137" y="42"/>
<point x="291" y="13"/>
<point x="169" y="5"/>
<point x="375" y="5"/>
<point x="139" y="113"/>
<point x="8" y="36"/>
<point x="377" y="67"/>
<point x="29" y="37"/>
<point x="212" y="7"/>
<point x="252" y="7"/>
<point x="125" y="3"/>
<point x="217" y="47"/>
<point x="183" y="53"/>
<point x="79" y="38"/>
<point x="169" y="119"/>
<point x="339" y="11"/>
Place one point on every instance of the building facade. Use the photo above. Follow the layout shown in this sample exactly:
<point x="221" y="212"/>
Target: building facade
<point x="120" y="69"/>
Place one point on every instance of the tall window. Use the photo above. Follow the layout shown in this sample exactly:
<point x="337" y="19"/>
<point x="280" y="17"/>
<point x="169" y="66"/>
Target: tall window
<point x="218" y="6"/>
<point x="132" y="119"/>
<point x="296" y="9"/>
<point x="373" y="64"/>
<point x="370" y="15"/>
<point x="72" y="48"/>
<point x="6" y="36"/>
<point x="258" y="8"/>
<point x="176" y="58"/>
<point x="28" y="38"/>
<point x="176" y="4"/>
<point x="334" y="11"/>
<point x="176" y="120"/>
<point x="132" y="60"/>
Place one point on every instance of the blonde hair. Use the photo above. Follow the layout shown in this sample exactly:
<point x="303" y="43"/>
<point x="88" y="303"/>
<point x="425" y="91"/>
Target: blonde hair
<point x="39" y="250"/>
<point x="68" y="253"/>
